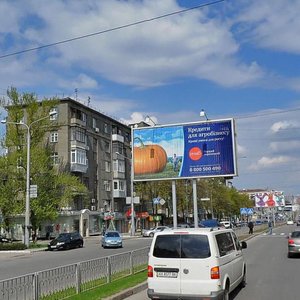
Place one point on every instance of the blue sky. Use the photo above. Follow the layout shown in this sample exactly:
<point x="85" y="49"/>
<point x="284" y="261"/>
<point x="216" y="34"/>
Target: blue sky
<point x="237" y="59"/>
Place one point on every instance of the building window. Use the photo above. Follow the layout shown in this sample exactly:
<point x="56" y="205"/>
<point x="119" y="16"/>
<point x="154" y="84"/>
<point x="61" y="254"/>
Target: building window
<point x="107" y="166"/>
<point x="105" y="128"/>
<point x="78" y="114"/>
<point x="55" y="158"/>
<point x="54" y="116"/>
<point x="78" y="156"/>
<point x="122" y="185"/>
<point x="107" y="147"/>
<point x="54" y="137"/>
<point x="115" y="185"/>
<point x="78" y="134"/>
<point x="119" y="166"/>
<point x="94" y="123"/>
<point x="107" y="185"/>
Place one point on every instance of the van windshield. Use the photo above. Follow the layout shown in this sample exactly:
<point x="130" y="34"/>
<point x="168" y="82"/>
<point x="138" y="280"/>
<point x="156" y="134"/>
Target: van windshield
<point x="181" y="246"/>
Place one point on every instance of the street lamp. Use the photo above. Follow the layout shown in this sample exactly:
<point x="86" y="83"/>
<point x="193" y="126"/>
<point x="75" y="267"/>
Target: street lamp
<point x="132" y="231"/>
<point x="148" y="119"/>
<point x="27" y="201"/>
<point x="203" y="114"/>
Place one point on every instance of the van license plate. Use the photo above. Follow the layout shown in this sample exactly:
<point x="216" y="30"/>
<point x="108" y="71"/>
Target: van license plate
<point x="167" y="274"/>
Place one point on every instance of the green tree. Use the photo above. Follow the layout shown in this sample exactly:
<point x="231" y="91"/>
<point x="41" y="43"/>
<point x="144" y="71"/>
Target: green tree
<point x="56" y="187"/>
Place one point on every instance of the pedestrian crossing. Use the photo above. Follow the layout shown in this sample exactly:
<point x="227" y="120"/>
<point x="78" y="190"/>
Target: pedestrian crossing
<point x="274" y="234"/>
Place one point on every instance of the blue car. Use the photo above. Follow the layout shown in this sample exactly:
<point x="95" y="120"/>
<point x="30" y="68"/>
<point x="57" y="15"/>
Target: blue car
<point x="112" y="239"/>
<point x="210" y="223"/>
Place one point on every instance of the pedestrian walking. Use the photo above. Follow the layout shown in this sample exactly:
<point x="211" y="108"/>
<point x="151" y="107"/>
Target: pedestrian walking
<point x="270" y="225"/>
<point x="250" y="226"/>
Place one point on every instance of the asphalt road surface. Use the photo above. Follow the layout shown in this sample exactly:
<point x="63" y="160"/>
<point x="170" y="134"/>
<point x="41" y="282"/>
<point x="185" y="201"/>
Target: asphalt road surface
<point x="17" y="264"/>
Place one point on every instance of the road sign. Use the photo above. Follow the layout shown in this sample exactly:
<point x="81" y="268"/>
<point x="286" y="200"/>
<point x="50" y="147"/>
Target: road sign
<point x="205" y="199"/>
<point x="156" y="200"/>
<point x="33" y="191"/>
<point x="162" y="201"/>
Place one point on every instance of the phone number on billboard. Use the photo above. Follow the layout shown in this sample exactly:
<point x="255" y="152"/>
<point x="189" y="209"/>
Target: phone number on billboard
<point x="205" y="169"/>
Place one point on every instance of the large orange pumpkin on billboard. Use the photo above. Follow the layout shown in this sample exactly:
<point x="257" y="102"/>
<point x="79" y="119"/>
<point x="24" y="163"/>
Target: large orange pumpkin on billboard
<point x="149" y="159"/>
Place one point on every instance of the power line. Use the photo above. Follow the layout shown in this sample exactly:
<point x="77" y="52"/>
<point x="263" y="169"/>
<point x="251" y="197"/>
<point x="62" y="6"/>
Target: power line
<point x="268" y="113"/>
<point x="109" y="30"/>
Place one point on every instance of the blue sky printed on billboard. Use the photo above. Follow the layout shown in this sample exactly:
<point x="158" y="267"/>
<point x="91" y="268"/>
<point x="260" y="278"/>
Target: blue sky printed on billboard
<point x="203" y="149"/>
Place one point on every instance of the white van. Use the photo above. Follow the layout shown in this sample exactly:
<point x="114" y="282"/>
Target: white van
<point x="195" y="263"/>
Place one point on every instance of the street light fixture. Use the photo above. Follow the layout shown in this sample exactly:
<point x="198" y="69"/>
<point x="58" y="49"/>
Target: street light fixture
<point x="148" y="119"/>
<point x="203" y="114"/>
<point x="27" y="201"/>
<point x="132" y="231"/>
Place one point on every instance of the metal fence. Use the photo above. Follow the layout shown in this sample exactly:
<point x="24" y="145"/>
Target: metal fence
<point x="66" y="281"/>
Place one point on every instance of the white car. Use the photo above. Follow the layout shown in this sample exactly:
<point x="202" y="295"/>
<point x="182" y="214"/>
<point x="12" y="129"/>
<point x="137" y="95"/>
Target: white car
<point x="195" y="263"/>
<point x="150" y="232"/>
<point x="226" y="224"/>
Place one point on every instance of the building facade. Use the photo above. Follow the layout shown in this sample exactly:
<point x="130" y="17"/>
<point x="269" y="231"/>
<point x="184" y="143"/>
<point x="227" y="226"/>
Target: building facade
<point x="94" y="147"/>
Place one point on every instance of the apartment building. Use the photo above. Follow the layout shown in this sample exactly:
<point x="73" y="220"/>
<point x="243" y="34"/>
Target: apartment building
<point x="96" y="148"/>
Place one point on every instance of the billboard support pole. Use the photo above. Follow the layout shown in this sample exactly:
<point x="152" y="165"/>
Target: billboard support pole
<point x="174" y="204"/>
<point x="195" y="203"/>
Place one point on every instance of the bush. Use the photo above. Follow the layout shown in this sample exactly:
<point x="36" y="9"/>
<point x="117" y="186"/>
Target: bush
<point x="12" y="246"/>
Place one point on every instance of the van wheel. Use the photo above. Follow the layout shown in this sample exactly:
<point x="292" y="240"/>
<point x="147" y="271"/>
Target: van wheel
<point x="226" y="293"/>
<point x="244" y="281"/>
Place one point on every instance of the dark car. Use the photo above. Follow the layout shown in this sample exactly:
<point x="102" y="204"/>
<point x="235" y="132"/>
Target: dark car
<point x="294" y="244"/>
<point x="4" y="239"/>
<point x="66" y="241"/>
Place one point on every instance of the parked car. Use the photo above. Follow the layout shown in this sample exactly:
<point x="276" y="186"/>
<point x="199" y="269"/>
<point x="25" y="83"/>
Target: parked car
<point x="150" y="232"/>
<point x="226" y="224"/>
<point x="66" y="241"/>
<point x="4" y="239"/>
<point x="210" y="223"/>
<point x="195" y="263"/>
<point x="112" y="239"/>
<point x="294" y="243"/>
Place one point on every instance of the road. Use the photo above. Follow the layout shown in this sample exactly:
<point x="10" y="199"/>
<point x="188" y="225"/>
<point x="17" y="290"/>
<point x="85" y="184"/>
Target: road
<point x="17" y="264"/>
<point x="270" y="274"/>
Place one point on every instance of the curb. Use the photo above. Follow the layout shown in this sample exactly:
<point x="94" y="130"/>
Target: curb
<point x="128" y="292"/>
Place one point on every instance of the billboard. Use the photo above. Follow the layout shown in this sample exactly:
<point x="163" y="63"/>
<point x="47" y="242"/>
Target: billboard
<point x="192" y="150"/>
<point x="269" y="199"/>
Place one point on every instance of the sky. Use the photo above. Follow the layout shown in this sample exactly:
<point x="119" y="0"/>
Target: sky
<point x="169" y="60"/>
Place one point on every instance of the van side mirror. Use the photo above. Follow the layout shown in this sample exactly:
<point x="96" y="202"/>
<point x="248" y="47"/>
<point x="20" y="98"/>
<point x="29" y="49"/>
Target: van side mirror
<point x="244" y="245"/>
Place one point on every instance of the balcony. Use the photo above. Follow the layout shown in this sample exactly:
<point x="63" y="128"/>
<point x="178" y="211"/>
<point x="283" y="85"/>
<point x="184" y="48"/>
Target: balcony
<point x="76" y="121"/>
<point x="119" y="175"/>
<point x="78" y="168"/>
<point x="117" y="138"/>
<point x="119" y="194"/>
<point x="77" y="144"/>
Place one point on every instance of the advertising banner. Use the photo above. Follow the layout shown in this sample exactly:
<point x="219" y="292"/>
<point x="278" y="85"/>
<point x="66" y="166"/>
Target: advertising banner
<point x="269" y="199"/>
<point x="193" y="150"/>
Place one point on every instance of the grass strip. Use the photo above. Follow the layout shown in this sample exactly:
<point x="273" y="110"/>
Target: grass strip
<point x="112" y="288"/>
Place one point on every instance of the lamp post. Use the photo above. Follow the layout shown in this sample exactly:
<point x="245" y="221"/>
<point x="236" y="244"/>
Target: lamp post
<point x="132" y="231"/>
<point x="27" y="201"/>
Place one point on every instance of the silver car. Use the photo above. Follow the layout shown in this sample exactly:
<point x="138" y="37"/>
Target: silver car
<point x="294" y="243"/>
<point x="112" y="239"/>
<point x="150" y="232"/>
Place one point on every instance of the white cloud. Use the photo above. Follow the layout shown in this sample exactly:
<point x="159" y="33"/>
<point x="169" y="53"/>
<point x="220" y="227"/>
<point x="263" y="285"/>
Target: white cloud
<point x="274" y="25"/>
<point x="266" y="162"/>
<point x="283" y="125"/>
<point x="82" y="81"/>
<point x="150" y="54"/>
